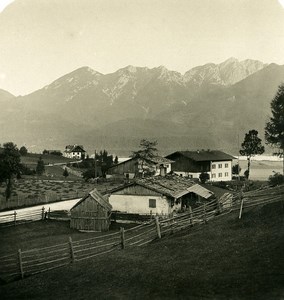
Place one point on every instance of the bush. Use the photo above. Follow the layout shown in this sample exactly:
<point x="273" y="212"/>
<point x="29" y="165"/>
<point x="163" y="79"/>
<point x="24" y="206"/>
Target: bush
<point x="23" y="151"/>
<point x="276" y="179"/>
<point x="24" y="170"/>
<point x="203" y="177"/>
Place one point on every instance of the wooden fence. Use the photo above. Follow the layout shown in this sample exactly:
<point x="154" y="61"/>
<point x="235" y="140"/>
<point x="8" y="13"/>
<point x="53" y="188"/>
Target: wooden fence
<point x="17" y="218"/>
<point x="29" y="262"/>
<point x="251" y="199"/>
<point x="27" y="216"/>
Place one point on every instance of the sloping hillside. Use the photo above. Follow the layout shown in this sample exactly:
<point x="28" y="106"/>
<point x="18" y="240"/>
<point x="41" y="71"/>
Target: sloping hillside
<point x="226" y="259"/>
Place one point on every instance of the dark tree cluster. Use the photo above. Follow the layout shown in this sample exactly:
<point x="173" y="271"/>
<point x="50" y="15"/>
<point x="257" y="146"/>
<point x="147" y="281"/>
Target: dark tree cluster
<point x="10" y="164"/>
<point x="97" y="166"/>
<point x="52" y="152"/>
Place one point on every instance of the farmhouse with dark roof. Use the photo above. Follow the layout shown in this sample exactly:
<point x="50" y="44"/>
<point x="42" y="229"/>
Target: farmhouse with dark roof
<point x="217" y="164"/>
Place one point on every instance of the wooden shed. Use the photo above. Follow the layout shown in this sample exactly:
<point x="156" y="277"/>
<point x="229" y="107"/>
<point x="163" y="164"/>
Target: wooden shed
<point x="91" y="213"/>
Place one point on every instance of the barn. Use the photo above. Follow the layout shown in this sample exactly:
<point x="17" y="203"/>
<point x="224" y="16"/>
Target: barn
<point x="138" y="167"/>
<point x="91" y="213"/>
<point x="160" y="195"/>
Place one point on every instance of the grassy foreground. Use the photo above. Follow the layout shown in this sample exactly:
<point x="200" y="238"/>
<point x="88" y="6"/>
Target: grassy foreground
<point x="226" y="259"/>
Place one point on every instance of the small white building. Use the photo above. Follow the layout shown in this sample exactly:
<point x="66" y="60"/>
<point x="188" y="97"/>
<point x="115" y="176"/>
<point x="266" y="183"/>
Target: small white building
<point x="74" y="151"/>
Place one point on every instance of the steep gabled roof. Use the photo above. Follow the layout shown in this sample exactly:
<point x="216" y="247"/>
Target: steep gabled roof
<point x="98" y="197"/>
<point x="204" y="155"/>
<point x="170" y="185"/>
<point x="74" y="148"/>
<point x="156" y="160"/>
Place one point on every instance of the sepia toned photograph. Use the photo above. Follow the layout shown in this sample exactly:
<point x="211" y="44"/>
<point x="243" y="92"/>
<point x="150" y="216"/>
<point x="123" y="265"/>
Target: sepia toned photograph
<point x="142" y="149"/>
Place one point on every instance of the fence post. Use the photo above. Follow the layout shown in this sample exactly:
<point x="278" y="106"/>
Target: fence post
<point x="158" y="226"/>
<point x="122" y="238"/>
<point x="71" y="250"/>
<point x="219" y="207"/>
<point x="42" y="213"/>
<point x="190" y="216"/>
<point x="241" y="208"/>
<point x="204" y="213"/>
<point x="15" y="217"/>
<point x="21" y="263"/>
<point x="172" y="222"/>
<point x="49" y="213"/>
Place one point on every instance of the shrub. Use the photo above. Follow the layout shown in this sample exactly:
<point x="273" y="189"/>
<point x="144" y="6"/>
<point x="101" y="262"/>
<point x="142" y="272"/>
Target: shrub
<point x="203" y="177"/>
<point x="276" y="179"/>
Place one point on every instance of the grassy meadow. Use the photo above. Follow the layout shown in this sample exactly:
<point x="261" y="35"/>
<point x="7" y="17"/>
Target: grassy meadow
<point x="227" y="258"/>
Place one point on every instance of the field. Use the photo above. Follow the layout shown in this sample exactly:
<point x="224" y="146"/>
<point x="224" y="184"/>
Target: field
<point x="28" y="192"/>
<point x="226" y="259"/>
<point x="261" y="170"/>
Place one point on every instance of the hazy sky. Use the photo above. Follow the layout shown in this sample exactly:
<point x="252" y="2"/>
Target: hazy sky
<point x="41" y="40"/>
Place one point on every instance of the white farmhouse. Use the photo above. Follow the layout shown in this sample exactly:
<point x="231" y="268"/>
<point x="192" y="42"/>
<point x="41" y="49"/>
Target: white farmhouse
<point x="217" y="164"/>
<point x="74" y="151"/>
<point x="160" y="195"/>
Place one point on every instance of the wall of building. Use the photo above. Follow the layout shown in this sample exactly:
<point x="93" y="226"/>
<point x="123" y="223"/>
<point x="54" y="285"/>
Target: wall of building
<point x="184" y="164"/>
<point x="90" y="215"/>
<point x="140" y="204"/>
<point x="77" y="155"/>
<point x="221" y="170"/>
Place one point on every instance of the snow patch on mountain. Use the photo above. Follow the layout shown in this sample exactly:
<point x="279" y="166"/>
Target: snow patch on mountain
<point x="226" y="73"/>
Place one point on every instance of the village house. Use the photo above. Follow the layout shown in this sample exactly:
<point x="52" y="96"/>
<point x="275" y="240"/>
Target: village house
<point x="138" y="167"/>
<point x="91" y="213"/>
<point x="74" y="151"/>
<point x="158" y="195"/>
<point x="217" y="164"/>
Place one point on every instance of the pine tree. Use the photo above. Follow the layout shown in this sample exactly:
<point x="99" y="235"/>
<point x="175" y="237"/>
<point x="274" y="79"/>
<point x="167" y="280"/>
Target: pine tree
<point x="250" y="147"/>
<point x="65" y="173"/>
<point x="274" y="129"/>
<point x="147" y="149"/>
<point x="40" y="166"/>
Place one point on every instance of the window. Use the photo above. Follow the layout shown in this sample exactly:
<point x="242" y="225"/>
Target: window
<point x="226" y="174"/>
<point x="226" y="165"/>
<point x="220" y="166"/>
<point x="219" y="174"/>
<point x="152" y="203"/>
<point x="213" y="166"/>
<point x="213" y="175"/>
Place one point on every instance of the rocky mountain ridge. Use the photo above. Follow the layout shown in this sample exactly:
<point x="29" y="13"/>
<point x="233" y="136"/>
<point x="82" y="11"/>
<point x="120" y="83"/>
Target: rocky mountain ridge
<point x="204" y="108"/>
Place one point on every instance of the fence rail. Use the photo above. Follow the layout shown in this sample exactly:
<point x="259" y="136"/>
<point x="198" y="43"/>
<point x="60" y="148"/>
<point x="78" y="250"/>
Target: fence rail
<point x="29" y="262"/>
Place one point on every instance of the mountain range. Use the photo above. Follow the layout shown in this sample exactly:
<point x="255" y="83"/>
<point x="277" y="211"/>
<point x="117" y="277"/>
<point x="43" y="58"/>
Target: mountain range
<point x="209" y="107"/>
